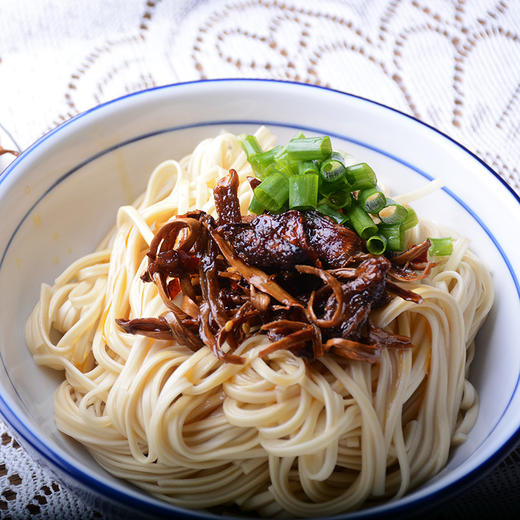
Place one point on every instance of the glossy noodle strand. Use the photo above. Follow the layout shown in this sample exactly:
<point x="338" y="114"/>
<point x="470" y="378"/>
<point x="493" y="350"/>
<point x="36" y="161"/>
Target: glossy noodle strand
<point x="275" y="435"/>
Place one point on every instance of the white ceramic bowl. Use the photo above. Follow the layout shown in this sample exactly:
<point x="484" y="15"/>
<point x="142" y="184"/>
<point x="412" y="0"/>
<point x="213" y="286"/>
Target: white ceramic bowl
<point x="60" y="197"/>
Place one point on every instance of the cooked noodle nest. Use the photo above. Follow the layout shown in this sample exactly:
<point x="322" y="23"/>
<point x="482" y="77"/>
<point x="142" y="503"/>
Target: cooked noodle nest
<point x="276" y="435"/>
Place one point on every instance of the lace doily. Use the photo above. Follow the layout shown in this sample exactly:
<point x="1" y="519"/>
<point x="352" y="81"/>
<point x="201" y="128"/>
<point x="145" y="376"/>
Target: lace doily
<point x="454" y="64"/>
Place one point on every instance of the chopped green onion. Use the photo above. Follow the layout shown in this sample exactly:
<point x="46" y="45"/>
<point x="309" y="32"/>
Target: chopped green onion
<point x="308" y="170"/>
<point x="338" y="157"/>
<point x="340" y="199"/>
<point x="326" y="209"/>
<point x="394" y="235"/>
<point x="255" y="206"/>
<point x="326" y="188"/>
<point x="411" y="219"/>
<point x="393" y="214"/>
<point x="372" y="200"/>
<point x="440" y="246"/>
<point x="283" y="209"/>
<point x="332" y="170"/>
<point x="303" y="191"/>
<point x="282" y="155"/>
<point x="361" y="221"/>
<point x="347" y="222"/>
<point x="295" y="167"/>
<point x="273" y="192"/>
<point x="261" y="161"/>
<point x="307" y="167"/>
<point x="309" y="148"/>
<point x="250" y="146"/>
<point x="361" y="176"/>
<point x="376" y="244"/>
<point x="284" y="165"/>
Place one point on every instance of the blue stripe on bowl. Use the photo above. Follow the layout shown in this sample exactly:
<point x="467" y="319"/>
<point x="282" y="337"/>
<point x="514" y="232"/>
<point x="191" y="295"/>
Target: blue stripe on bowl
<point x="144" y="504"/>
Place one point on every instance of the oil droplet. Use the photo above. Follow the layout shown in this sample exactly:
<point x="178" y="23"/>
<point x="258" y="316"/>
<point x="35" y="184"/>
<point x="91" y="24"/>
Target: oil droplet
<point x="55" y="236"/>
<point x="56" y="260"/>
<point x="69" y="250"/>
<point x="27" y="190"/>
<point x="19" y="262"/>
<point x="37" y="220"/>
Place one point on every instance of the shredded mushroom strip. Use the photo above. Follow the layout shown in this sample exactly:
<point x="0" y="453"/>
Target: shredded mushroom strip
<point x="228" y="305"/>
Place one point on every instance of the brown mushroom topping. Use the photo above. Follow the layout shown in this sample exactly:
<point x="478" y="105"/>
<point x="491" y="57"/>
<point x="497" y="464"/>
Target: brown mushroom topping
<point x="300" y="278"/>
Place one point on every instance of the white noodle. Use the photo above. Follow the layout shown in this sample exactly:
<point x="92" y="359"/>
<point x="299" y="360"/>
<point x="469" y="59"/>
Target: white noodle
<point x="275" y="435"/>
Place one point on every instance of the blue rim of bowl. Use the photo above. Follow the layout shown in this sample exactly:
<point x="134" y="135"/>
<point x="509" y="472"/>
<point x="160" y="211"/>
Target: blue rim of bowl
<point x="123" y="498"/>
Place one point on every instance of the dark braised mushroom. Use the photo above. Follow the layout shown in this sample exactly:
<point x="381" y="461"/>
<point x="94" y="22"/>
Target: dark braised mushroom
<point x="334" y="244"/>
<point x="299" y="278"/>
<point x="226" y="199"/>
<point x="271" y="241"/>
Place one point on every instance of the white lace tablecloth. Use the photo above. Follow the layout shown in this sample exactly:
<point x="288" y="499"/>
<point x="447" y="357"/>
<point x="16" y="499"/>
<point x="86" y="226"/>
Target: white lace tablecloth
<point x="454" y="64"/>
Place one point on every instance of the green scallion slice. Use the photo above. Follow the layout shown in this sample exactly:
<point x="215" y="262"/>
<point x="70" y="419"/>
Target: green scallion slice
<point x="376" y="244"/>
<point x="261" y="161"/>
<point x="326" y="209"/>
<point x="326" y="188"/>
<point x="273" y="193"/>
<point x="303" y="191"/>
<point x="285" y="166"/>
<point x="440" y="246"/>
<point x="283" y="209"/>
<point x="338" y="157"/>
<point x="361" y="176"/>
<point x="332" y="170"/>
<point x="361" y="221"/>
<point x="372" y="200"/>
<point x="411" y="219"/>
<point x="393" y="214"/>
<point x="394" y="235"/>
<point x="250" y="145"/>
<point x="309" y="148"/>
<point x="308" y="167"/>
<point x="255" y="206"/>
<point x="340" y="199"/>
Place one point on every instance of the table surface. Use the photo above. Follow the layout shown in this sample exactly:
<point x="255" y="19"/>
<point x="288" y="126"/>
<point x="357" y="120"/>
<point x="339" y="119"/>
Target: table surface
<point x="454" y="64"/>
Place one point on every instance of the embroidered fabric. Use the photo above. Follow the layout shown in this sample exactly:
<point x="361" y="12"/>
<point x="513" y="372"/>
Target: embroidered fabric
<point x="454" y="64"/>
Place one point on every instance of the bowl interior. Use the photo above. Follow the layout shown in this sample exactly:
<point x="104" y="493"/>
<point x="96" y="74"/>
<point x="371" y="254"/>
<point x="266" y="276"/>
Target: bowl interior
<point x="59" y="199"/>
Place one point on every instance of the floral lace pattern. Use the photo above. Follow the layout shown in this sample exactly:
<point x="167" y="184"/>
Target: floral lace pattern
<point x="454" y="64"/>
